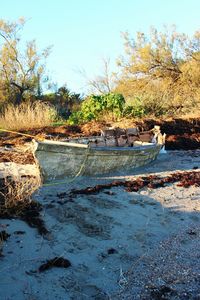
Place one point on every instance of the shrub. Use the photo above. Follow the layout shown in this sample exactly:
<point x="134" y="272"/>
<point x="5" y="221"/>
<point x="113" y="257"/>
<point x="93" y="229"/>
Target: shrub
<point x="92" y="106"/>
<point x="136" y="109"/>
<point x="75" y="118"/>
<point x="97" y="105"/>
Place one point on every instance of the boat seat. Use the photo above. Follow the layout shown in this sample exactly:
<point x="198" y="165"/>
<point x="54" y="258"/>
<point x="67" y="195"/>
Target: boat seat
<point x="119" y="132"/>
<point x="114" y="132"/>
<point x="120" y="137"/>
<point x="146" y="136"/>
<point x="132" y="131"/>
<point x="122" y="140"/>
<point x="112" y="135"/>
<point x="107" y="133"/>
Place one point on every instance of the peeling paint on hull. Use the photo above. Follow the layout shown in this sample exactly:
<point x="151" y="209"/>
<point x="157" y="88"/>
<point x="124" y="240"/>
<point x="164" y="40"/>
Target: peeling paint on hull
<point x="58" y="160"/>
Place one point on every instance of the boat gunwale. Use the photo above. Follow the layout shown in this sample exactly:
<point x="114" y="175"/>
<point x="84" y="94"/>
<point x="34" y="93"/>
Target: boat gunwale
<point x="60" y="143"/>
<point x="93" y="149"/>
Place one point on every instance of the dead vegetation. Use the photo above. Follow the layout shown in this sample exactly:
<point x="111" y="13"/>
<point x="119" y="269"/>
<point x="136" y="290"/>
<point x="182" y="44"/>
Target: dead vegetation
<point x="58" y="262"/>
<point x="181" y="133"/>
<point x="3" y="237"/>
<point x="13" y="192"/>
<point x="20" y="158"/>
<point x="27" y="116"/>
<point x="184" y="179"/>
<point x="16" y="201"/>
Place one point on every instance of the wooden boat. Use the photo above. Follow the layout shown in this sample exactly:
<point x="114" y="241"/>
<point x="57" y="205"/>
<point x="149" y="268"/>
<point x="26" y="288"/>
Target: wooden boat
<point x="95" y="155"/>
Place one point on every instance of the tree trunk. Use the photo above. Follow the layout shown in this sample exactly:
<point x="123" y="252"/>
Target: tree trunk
<point x="19" y="97"/>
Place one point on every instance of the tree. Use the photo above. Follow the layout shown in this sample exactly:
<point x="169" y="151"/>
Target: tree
<point x="21" y="72"/>
<point x="67" y="100"/>
<point x="103" y="83"/>
<point x="164" y="67"/>
<point x="64" y="100"/>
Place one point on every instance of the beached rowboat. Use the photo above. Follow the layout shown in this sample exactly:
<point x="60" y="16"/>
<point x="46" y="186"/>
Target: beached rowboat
<point x="58" y="160"/>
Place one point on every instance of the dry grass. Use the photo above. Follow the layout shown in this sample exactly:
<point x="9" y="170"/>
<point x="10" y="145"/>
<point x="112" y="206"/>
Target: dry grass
<point x="191" y="115"/>
<point x="16" y="202"/>
<point x="16" y="194"/>
<point x="27" y="116"/>
<point x="22" y="158"/>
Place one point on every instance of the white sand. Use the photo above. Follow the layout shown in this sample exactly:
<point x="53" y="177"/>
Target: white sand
<point x="83" y="228"/>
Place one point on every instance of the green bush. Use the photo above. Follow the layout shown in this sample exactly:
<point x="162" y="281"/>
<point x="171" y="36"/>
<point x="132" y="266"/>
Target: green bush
<point x="96" y="105"/>
<point x="135" y="109"/>
<point x="75" y="118"/>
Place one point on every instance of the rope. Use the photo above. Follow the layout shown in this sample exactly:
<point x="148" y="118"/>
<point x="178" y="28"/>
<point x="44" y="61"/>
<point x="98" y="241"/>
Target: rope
<point x="77" y="174"/>
<point x="19" y="133"/>
<point x="55" y="183"/>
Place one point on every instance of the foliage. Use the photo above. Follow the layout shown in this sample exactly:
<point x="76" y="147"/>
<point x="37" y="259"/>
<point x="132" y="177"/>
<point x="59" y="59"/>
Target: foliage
<point x="64" y="100"/>
<point x="162" y="69"/>
<point x="75" y="118"/>
<point x="21" y="72"/>
<point x="135" y="108"/>
<point x="96" y="105"/>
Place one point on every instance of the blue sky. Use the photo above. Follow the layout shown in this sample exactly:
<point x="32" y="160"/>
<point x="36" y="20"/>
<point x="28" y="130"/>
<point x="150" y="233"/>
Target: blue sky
<point x="83" y="32"/>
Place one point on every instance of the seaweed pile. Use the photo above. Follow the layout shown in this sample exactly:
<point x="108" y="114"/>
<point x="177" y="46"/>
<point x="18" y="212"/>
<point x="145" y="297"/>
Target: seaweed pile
<point x="16" y="202"/>
<point x="58" y="262"/>
<point x="184" y="179"/>
<point x="17" y="157"/>
<point x="3" y="237"/>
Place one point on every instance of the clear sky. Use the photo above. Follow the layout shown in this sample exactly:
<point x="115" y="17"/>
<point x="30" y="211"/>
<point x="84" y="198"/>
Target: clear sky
<point x="82" y="32"/>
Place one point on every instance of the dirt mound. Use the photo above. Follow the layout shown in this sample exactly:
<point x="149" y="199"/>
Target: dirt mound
<point x="183" y="142"/>
<point x="13" y="139"/>
<point x="181" y="133"/>
<point x="93" y="128"/>
<point x="65" y="130"/>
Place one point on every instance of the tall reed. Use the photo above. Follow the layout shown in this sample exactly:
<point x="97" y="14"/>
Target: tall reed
<point x="27" y="116"/>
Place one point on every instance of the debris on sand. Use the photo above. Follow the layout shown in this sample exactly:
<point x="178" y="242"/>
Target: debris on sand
<point x="112" y="251"/>
<point x="16" y="202"/>
<point x="185" y="180"/>
<point x="3" y="237"/>
<point x="58" y="262"/>
<point x="28" y="212"/>
<point x="163" y="292"/>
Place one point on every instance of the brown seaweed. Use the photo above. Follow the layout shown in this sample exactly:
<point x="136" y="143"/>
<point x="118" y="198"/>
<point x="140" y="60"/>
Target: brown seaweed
<point x="58" y="262"/>
<point x="184" y="179"/>
<point x="4" y="235"/>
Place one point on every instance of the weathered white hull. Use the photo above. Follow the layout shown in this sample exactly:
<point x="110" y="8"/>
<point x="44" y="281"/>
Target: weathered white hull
<point x="58" y="160"/>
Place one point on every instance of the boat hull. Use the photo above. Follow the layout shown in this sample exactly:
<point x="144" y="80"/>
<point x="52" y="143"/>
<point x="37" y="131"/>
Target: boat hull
<point x="58" y="160"/>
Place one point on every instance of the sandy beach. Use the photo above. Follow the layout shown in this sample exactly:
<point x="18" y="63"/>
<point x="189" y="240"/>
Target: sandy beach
<point x="118" y="244"/>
